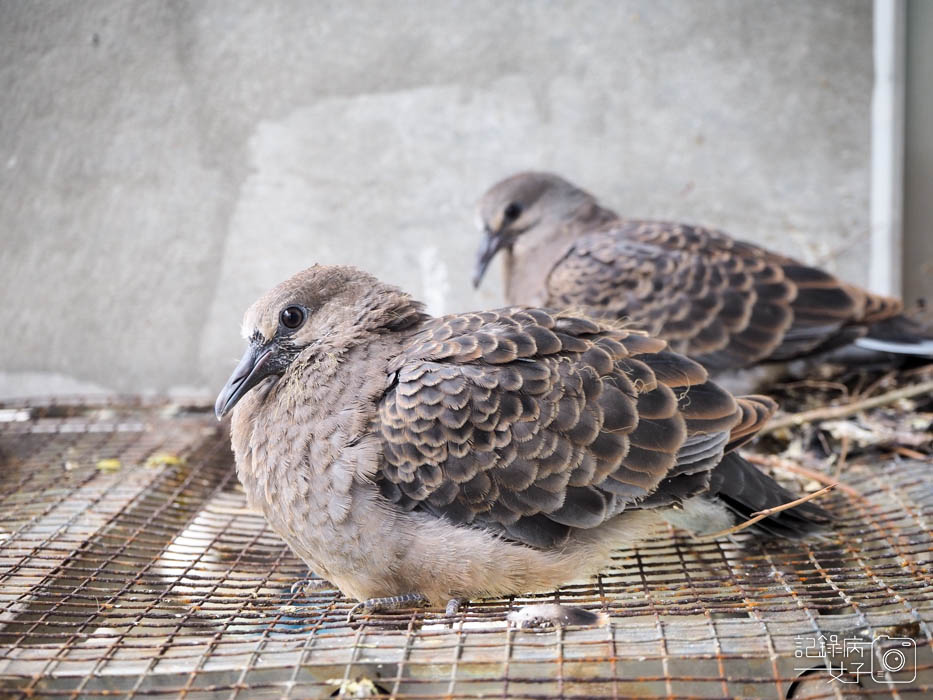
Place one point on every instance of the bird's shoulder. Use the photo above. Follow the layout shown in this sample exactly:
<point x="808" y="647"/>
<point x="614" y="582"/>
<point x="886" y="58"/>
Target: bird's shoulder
<point x="695" y="240"/>
<point x="671" y="239"/>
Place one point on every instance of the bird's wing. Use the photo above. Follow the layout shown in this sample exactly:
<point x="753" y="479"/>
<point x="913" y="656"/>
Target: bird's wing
<point x="538" y="423"/>
<point x="725" y="302"/>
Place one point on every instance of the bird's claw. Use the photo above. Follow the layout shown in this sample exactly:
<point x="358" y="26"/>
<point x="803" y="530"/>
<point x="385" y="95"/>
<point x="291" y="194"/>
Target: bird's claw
<point x="352" y="612"/>
<point x="307" y="586"/>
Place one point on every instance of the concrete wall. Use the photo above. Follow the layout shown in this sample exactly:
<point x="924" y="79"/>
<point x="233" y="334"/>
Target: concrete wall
<point x="162" y="163"/>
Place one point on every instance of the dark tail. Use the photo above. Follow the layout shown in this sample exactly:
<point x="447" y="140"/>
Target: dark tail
<point x="745" y="489"/>
<point x="898" y="335"/>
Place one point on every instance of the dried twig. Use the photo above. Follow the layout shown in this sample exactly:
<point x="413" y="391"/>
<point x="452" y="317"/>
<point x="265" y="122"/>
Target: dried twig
<point x="820" y="414"/>
<point x="762" y="514"/>
<point x="910" y="454"/>
<point x="870" y="389"/>
<point x="788" y="466"/>
<point x="815" y="384"/>
<point x="918" y="371"/>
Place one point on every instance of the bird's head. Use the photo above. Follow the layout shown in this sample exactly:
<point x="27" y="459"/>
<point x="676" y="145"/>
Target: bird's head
<point x="320" y="310"/>
<point x="520" y="204"/>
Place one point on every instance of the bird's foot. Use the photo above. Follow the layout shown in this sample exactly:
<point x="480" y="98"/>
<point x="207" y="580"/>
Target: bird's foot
<point x="309" y="586"/>
<point x="453" y="606"/>
<point x="390" y="604"/>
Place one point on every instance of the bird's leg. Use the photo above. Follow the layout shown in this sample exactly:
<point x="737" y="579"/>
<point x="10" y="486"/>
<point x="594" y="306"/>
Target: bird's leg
<point x="395" y="602"/>
<point x="307" y="586"/>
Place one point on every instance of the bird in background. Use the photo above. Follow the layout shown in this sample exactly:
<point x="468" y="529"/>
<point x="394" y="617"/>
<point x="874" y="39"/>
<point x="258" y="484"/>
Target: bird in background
<point x="728" y="304"/>
<point x="413" y="460"/>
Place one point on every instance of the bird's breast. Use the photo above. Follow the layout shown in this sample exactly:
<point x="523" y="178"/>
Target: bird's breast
<point x="306" y="457"/>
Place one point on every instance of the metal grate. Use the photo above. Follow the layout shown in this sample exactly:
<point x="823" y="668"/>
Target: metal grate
<point x="131" y="567"/>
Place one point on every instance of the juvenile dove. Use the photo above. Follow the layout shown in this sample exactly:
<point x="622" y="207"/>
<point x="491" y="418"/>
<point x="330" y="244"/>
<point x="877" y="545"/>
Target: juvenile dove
<point x="418" y="460"/>
<point x="726" y="303"/>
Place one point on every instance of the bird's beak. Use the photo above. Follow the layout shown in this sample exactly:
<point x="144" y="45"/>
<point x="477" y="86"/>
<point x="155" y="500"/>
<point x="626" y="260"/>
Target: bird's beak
<point x="492" y="243"/>
<point x="252" y="369"/>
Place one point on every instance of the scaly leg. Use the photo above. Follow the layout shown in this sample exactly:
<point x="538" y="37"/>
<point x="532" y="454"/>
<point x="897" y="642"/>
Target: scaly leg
<point x="396" y="602"/>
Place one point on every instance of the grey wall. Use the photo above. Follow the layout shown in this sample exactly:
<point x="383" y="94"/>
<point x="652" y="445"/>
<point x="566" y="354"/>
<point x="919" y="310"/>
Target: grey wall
<point x="162" y="163"/>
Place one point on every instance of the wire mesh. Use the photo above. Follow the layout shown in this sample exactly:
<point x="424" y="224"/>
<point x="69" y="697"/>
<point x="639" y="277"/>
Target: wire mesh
<point x="131" y="566"/>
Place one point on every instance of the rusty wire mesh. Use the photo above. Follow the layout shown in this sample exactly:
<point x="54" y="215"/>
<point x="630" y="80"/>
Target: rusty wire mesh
<point x="131" y="567"/>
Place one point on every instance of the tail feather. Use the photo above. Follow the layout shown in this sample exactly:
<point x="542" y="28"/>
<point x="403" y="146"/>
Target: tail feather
<point x="879" y="308"/>
<point x="744" y="490"/>
<point x="898" y="335"/>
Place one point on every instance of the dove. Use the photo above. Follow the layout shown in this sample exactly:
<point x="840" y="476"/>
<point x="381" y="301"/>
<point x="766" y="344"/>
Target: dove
<point x="413" y="460"/>
<point x="726" y="303"/>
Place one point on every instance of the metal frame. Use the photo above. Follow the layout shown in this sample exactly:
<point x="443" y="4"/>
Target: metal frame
<point x="156" y="580"/>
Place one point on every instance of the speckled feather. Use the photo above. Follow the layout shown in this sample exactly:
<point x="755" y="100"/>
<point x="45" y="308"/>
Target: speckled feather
<point x="726" y="303"/>
<point x="535" y="423"/>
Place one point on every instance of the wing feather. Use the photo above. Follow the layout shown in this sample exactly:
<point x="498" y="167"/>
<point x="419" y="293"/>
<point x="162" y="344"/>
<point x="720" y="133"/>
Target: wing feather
<point x="727" y="303"/>
<point x="534" y="424"/>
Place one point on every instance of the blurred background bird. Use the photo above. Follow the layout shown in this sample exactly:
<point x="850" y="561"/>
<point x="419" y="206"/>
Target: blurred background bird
<point x="728" y="304"/>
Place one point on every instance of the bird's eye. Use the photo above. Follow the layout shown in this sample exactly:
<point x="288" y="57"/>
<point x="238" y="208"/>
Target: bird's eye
<point x="292" y="317"/>
<point x="513" y="211"/>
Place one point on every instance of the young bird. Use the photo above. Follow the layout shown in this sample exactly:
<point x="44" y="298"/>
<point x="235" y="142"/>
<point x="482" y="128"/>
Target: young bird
<point x="726" y="303"/>
<point x="417" y="460"/>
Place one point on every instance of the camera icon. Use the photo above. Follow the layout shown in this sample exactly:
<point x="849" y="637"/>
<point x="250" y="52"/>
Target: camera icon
<point x="893" y="655"/>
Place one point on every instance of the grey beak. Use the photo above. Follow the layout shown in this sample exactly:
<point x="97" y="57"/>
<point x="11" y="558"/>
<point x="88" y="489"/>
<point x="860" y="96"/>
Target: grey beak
<point x="492" y="243"/>
<point x="253" y="367"/>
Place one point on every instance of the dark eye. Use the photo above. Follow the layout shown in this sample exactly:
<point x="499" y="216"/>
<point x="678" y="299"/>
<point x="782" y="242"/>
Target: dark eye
<point x="513" y="211"/>
<point x="292" y="317"/>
